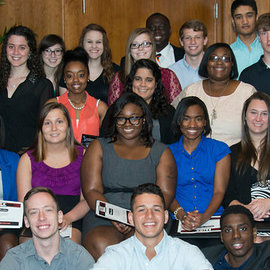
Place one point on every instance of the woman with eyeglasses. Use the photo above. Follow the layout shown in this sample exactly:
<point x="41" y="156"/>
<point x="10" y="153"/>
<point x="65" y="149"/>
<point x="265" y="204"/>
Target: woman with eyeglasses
<point x="114" y="165"/>
<point x="23" y="87"/>
<point x="222" y="94"/>
<point x="51" y="51"/>
<point x="101" y="68"/>
<point x="141" y="45"/>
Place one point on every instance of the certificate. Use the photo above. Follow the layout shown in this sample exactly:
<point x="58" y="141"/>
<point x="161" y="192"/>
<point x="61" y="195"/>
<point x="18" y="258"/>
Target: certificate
<point x="11" y="214"/>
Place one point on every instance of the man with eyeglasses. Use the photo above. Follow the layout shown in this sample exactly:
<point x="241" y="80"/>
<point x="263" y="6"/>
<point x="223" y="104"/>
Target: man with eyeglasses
<point x="258" y="74"/>
<point x="167" y="54"/>
<point x="193" y="37"/>
<point x="247" y="48"/>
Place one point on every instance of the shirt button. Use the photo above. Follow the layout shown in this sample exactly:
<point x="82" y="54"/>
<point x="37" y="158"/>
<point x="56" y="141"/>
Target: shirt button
<point x="195" y="207"/>
<point x="194" y="197"/>
<point x="195" y="186"/>
<point x="192" y="179"/>
<point x="192" y="168"/>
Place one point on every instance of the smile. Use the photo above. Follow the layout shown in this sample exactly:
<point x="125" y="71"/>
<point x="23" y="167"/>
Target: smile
<point x="43" y="227"/>
<point x="237" y="246"/>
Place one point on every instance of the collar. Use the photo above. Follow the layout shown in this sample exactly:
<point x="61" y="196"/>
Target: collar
<point x="253" y="44"/>
<point x="198" y="148"/>
<point x="187" y="65"/>
<point x="165" y="51"/>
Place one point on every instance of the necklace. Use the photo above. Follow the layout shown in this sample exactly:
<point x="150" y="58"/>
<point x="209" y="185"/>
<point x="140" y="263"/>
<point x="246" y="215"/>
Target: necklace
<point x="213" y="115"/>
<point x="74" y="107"/>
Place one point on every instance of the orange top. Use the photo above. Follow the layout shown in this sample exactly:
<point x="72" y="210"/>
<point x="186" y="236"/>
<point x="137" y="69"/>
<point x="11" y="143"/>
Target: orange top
<point x="89" y="121"/>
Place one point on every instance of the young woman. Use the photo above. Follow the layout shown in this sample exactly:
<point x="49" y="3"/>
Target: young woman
<point x="85" y="111"/>
<point x="23" y="87"/>
<point x="51" y="51"/>
<point x="141" y="45"/>
<point x="222" y="94"/>
<point x="54" y="161"/>
<point x="144" y="79"/>
<point x="203" y="166"/>
<point x="250" y="171"/>
<point x="95" y="41"/>
<point x="114" y="165"/>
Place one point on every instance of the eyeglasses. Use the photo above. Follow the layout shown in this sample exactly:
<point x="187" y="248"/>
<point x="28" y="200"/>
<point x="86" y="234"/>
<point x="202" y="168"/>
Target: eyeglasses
<point x="215" y="58"/>
<point x="57" y="52"/>
<point x="133" y="120"/>
<point x="145" y="44"/>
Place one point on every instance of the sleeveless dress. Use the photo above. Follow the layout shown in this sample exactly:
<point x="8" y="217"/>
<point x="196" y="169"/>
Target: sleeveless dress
<point x="65" y="182"/>
<point x="121" y="176"/>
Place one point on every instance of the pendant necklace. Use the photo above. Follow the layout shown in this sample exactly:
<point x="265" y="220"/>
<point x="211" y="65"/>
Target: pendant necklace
<point x="214" y="115"/>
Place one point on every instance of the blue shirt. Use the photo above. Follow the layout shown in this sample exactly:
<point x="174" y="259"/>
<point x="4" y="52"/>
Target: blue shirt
<point x="244" y="57"/>
<point x="185" y="73"/>
<point x="171" y="254"/>
<point x="196" y="172"/>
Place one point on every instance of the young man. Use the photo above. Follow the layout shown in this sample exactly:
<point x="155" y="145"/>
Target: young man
<point x="46" y="249"/>
<point x="247" y="48"/>
<point x="258" y="74"/>
<point x="151" y="247"/>
<point x="193" y="37"/>
<point x="167" y="54"/>
<point x="238" y="232"/>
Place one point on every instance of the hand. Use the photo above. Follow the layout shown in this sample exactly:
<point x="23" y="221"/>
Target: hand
<point x="259" y="208"/>
<point x="66" y="221"/>
<point x="192" y="220"/>
<point x="121" y="227"/>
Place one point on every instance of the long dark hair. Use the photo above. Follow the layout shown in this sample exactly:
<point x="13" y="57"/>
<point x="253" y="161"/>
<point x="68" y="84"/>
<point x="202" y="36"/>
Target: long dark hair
<point x="33" y="62"/>
<point x="108" y="127"/>
<point x="158" y="105"/>
<point x="247" y="153"/>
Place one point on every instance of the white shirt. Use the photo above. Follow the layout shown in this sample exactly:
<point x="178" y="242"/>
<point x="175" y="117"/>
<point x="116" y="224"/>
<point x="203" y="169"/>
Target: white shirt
<point x="167" y="56"/>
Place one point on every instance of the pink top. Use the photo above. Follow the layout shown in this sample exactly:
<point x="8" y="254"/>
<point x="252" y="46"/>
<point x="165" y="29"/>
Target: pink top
<point x="169" y="80"/>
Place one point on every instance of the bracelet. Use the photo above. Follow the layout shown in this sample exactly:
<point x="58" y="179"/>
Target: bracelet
<point x="176" y="211"/>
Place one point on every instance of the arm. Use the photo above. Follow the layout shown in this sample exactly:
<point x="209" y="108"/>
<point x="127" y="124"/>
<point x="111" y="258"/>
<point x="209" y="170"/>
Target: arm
<point x="102" y="109"/>
<point x="46" y="91"/>
<point x="166" y="176"/>
<point x="24" y="176"/>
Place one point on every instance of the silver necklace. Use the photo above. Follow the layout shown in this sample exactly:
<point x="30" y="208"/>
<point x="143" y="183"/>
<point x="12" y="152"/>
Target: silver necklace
<point x="74" y="107"/>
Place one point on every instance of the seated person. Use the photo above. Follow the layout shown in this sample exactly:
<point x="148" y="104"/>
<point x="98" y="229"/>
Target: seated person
<point x="238" y="232"/>
<point x="203" y="166"/>
<point x="258" y="74"/>
<point x="46" y="249"/>
<point x="151" y="247"/>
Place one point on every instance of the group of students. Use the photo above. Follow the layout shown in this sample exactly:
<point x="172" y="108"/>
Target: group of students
<point x="198" y="174"/>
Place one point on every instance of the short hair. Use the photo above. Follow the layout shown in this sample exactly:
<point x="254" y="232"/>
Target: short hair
<point x="155" y="15"/>
<point x="237" y="209"/>
<point x="148" y="188"/>
<point x="37" y="190"/>
<point x="108" y="127"/>
<point x="77" y="55"/>
<point x="263" y="22"/>
<point x="158" y="104"/>
<point x="181" y="109"/>
<point x="237" y="3"/>
<point x="38" y="148"/>
<point x="195" y="25"/>
<point x="203" y="66"/>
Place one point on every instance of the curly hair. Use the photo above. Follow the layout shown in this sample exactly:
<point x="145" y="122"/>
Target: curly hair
<point x="106" y="57"/>
<point x="158" y="104"/>
<point x="33" y="62"/>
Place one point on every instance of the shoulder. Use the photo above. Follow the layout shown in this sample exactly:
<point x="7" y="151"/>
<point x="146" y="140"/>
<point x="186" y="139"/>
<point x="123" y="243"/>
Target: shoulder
<point x="159" y="146"/>
<point x="115" y="67"/>
<point x="8" y="157"/>
<point x="245" y="89"/>
<point x="217" y="149"/>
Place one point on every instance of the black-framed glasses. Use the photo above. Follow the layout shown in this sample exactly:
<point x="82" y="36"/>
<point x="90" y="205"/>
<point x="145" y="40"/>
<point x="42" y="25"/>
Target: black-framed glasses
<point x="133" y="120"/>
<point x="57" y="52"/>
<point x="145" y="44"/>
<point x="215" y="58"/>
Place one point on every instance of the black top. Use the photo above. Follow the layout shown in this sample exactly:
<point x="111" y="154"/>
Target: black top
<point x="257" y="75"/>
<point x="20" y="112"/>
<point x="98" y="88"/>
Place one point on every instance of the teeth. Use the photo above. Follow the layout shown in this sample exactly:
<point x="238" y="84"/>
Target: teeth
<point x="43" y="227"/>
<point x="149" y="223"/>
<point x="237" y="246"/>
<point x="128" y="130"/>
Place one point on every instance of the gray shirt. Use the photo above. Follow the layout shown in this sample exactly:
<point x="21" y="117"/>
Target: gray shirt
<point x="71" y="256"/>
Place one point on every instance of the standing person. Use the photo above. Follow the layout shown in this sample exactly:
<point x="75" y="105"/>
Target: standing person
<point x="114" y="165"/>
<point x="47" y="249"/>
<point x="199" y="191"/>
<point x="220" y="92"/>
<point x="166" y="54"/>
<point x="250" y="170"/>
<point x="193" y="37"/>
<point x="54" y="161"/>
<point x="85" y="111"/>
<point x="141" y="45"/>
<point x="151" y="247"/>
<point x="101" y="68"/>
<point x="51" y="51"/>
<point x="23" y="87"/>
<point x="247" y="48"/>
<point x="258" y="74"/>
